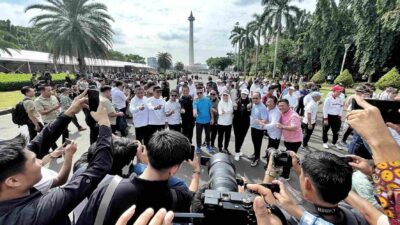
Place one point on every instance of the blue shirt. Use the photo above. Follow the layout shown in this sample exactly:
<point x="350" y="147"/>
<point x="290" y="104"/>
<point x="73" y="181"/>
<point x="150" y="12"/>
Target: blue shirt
<point x="203" y="107"/>
<point x="258" y="112"/>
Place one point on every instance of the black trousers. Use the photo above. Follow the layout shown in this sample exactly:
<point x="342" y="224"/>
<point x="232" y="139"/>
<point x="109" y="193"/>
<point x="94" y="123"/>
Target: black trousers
<point x="75" y="122"/>
<point x="224" y="132"/>
<point x="347" y="134"/>
<point x="214" y="132"/>
<point x="290" y="146"/>
<point x="273" y="143"/>
<point x="32" y="131"/>
<point x="187" y="129"/>
<point x="307" y="133"/>
<point x="257" y="137"/>
<point x="199" y="131"/>
<point x="142" y="135"/>
<point x="175" y="127"/>
<point x="152" y="129"/>
<point x="334" y="122"/>
<point x="240" y="131"/>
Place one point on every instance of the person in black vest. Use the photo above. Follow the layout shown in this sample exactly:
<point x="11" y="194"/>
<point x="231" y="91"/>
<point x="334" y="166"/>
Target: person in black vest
<point x="187" y="113"/>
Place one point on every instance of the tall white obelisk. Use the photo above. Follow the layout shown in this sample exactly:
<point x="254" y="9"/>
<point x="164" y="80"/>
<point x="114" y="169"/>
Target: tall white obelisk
<point x="191" y="50"/>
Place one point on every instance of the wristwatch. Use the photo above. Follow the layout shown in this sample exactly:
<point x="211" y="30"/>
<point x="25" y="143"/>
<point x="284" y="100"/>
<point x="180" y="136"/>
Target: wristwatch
<point x="271" y="173"/>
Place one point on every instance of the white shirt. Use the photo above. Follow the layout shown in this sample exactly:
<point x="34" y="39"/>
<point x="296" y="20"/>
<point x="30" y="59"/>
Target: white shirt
<point x="293" y="100"/>
<point x="333" y="106"/>
<point x="254" y="88"/>
<point x="311" y="107"/>
<point x="274" y="116"/>
<point x="265" y="89"/>
<point x="242" y="85"/>
<point x="192" y="90"/>
<point x="226" y="118"/>
<point x="221" y="88"/>
<point x="156" y="116"/>
<point x="307" y="99"/>
<point x="118" y="98"/>
<point x="175" y="118"/>
<point x="46" y="182"/>
<point x="140" y="117"/>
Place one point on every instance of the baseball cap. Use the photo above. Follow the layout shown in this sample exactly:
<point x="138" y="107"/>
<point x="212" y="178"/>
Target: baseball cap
<point x="245" y="91"/>
<point x="337" y="88"/>
<point x="315" y="94"/>
<point x="292" y="88"/>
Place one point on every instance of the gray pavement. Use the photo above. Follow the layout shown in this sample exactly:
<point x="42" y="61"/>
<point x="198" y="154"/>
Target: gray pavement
<point x="9" y="130"/>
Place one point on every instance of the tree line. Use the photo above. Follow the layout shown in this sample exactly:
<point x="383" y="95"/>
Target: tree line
<point x="287" y="40"/>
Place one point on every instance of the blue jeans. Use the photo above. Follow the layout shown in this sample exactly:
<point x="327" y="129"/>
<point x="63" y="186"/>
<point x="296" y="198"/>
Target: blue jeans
<point x="359" y="147"/>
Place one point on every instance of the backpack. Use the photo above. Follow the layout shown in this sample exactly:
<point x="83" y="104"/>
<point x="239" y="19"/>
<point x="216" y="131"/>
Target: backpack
<point x="19" y="115"/>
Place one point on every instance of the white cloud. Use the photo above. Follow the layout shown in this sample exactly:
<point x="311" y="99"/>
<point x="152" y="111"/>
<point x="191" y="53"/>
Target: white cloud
<point x="151" y="26"/>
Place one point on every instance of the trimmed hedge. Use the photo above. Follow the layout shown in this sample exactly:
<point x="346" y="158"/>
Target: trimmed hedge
<point x="319" y="77"/>
<point x="391" y="78"/>
<point x="14" y="82"/>
<point x="345" y="78"/>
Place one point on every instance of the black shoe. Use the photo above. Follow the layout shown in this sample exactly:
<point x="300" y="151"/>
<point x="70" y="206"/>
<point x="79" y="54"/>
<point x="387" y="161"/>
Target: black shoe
<point x="226" y="152"/>
<point x="254" y="163"/>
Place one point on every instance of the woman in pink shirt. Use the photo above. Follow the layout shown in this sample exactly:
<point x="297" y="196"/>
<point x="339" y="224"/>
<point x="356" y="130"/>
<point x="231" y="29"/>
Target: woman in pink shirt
<point x="291" y="130"/>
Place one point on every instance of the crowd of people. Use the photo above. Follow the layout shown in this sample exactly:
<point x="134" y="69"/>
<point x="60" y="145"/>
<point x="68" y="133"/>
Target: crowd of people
<point x="359" y="188"/>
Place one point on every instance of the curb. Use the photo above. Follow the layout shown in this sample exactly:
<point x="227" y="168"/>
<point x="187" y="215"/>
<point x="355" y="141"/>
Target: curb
<point x="4" y="112"/>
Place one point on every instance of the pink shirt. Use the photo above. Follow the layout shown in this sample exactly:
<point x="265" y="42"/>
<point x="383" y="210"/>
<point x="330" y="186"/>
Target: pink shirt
<point x="291" y="118"/>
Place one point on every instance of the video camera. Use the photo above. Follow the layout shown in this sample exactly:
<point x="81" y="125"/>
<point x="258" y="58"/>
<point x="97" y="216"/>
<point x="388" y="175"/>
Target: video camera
<point x="221" y="202"/>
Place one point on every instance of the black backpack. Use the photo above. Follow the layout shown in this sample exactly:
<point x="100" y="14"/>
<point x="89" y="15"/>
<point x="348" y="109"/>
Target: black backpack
<point x="19" y="115"/>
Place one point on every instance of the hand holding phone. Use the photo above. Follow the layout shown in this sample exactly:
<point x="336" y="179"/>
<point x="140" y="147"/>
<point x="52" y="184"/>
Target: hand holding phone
<point x="94" y="99"/>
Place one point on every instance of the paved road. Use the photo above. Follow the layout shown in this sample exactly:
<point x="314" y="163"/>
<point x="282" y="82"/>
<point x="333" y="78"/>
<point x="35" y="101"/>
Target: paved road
<point x="9" y="130"/>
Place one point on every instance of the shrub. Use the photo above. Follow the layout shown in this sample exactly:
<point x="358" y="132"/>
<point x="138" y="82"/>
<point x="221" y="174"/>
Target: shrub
<point x="13" y="82"/>
<point x="319" y="77"/>
<point x="345" y="78"/>
<point x="391" y="78"/>
<point x="268" y="74"/>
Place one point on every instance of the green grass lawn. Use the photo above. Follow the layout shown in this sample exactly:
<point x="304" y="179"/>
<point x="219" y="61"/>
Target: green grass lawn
<point x="9" y="99"/>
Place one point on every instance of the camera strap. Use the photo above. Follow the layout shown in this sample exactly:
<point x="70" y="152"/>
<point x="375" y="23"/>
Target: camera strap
<point x="327" y="211"/>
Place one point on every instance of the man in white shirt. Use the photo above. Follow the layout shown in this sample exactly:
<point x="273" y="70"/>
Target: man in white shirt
<point x="292" y="98"/>
<point x="242" y="84"/>
<point x="192" y="87"/>
<point x="118" y="96"/>
<point x="173" y="112"/>
<point x="156" y="106"/>
<point x="310" y="117"/>
<point x="255" y="87"/>
<point x="221" y="86"/>
<point x="265" y="87"/>
<point x="140" y="114"/>
<point x="332" y="110"/>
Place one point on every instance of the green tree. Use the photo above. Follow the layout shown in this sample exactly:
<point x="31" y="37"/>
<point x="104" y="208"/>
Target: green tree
<point x="74" y="28"/>
<point x="282" y="15"/>
<point x="257" y="26"/>
<point x="6" y="44"/>
<point x="248" y="43"/>
<point x="164" y="60"/>
<point x="135" y="58"/>
<point x="345" y="78"/>
<point x="220" y="63"/>
<point x="391" y="78"/>
<point x="179" y="66"/>
<point x="236" y="39"/>
<point x="116" y="55"/>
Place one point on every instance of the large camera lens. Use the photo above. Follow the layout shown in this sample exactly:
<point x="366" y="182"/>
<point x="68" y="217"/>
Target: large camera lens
<point x="222" y="173"/>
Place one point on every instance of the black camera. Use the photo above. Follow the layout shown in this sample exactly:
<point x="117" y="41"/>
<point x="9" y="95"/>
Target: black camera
<point x="222" y="202"/>
<point x="282" y="159"/>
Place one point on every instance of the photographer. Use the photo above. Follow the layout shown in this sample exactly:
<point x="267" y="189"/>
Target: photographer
<point x="166" y="151"/>
<point x="20" y="170"/>
<point x="325" y="180"/>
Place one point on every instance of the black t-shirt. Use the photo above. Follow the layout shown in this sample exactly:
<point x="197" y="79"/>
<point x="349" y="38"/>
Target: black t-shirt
<point x="135" y="191"/>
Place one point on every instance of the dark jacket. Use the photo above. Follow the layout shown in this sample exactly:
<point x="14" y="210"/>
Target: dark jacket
<point x="187" y="104"/>
<point x="139" y="192"/>
<point x="53" y="208"/>
<point x="241" y="116"/>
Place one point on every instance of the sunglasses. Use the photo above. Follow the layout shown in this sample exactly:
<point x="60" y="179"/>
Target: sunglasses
<point x="212" y="94"/>
<point x="173" y="95"/>
<point x="199" y="93"/>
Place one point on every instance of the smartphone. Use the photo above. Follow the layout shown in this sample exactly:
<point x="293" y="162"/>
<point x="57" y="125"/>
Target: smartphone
<point x="67" y="141"/>
<point x="389" y="109"/>
<point x="94" y="100"/>
<point x="204" y="160"/>
<point x="273" y="187"/>
<point x="191" y="154"/>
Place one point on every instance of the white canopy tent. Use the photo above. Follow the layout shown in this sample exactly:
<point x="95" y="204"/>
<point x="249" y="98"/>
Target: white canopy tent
<point x="33" y="57"/>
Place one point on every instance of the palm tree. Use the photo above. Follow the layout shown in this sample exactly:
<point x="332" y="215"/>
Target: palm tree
<point x="179" y="66"/>
<point x="236" y="36"/>
<point x="74" y="28"/>
<point x="256" y="27"/>
<point x="164" y="60"/>
<point x="247" y="44"/>
<point x="7" y="40"/>
<point x="282" y="15"/>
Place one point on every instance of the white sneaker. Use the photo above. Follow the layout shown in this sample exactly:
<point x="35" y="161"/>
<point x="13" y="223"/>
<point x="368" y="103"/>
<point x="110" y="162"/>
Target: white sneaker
<point x="325" y="145"/>
<point x="241" y="153"/>
<point x="237" y="156"/>
<point x="338" y="146"/>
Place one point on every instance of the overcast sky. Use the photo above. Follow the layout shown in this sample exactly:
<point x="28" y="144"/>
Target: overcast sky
<point x="147" y="27"/>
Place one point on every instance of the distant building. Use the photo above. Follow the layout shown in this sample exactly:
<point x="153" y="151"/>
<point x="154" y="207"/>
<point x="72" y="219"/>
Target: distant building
<point x="152" y="62"/>
<point x="198" y="67"/>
